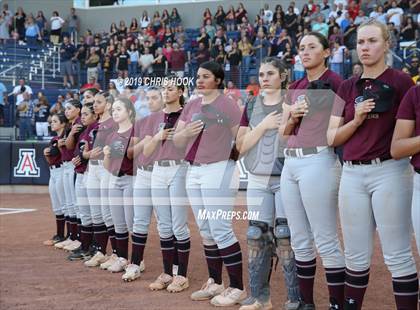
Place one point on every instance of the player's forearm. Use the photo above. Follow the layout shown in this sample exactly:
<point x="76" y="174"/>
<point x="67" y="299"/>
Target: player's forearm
<point x="138" y="149"/>
<point x="405" y="147"/>
<point x="151" y="146"/>
<point x="250" y="139"/>
<point x="289" y="127"/>
<point x="180" y="139"/>
<point x="70" y="142"/>
<point x="339" y="136"/>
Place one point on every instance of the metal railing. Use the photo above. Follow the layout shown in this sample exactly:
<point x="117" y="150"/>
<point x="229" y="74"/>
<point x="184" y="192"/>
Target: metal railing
<point x="37" y="66"/>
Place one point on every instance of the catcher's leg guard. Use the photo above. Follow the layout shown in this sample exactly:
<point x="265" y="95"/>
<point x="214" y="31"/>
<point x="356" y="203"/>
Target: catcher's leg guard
<point x="260" y="247"/>
<point x="287" y="259"/>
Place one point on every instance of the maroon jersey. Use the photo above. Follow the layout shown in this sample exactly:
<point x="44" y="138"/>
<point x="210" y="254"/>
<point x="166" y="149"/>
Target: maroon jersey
<point x="85" y="138"/>
<point x="55" y="155"/>
<point x="105" y="129"/>
<point x="215" y="142"/>
<point x="373" y="138"/>
<point x="311" y="131"/>
<point x="119" y="162"/>
<point x="410" y="110"/>
<point x="165" y="149"/>
<point x="67" y="154"/>
<point x="141" y="130"/>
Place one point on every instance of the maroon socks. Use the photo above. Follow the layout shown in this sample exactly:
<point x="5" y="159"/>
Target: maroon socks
<point x="138" y="242"/>
<point x="232" y="258"/>
<point x="214" y="262"/>
<point x="60" y="222"/>
<point x="306" y="276"/>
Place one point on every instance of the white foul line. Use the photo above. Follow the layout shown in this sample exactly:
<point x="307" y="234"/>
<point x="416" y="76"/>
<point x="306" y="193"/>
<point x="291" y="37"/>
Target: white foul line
<point x="13" y="211"/>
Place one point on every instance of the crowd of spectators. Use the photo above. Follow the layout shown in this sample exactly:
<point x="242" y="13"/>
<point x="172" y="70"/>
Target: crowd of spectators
<point x="156" y="44"/>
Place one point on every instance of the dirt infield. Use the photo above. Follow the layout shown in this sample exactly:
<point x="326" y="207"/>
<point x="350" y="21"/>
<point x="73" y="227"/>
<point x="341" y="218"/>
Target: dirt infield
<point x="33" y="276"/>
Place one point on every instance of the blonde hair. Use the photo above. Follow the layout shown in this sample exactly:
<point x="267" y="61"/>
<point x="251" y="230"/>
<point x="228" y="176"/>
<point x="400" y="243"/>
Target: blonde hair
<point x="373" y="22"/>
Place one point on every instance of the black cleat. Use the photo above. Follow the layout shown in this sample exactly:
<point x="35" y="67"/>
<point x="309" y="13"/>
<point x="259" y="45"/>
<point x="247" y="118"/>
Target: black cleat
<point x="79" y="254"/>
<point x="307" y="307"/>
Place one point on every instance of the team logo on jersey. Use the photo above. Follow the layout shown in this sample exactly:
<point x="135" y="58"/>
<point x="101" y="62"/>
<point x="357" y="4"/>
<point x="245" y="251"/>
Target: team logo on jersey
<point x="358" y="100"/>
<point x="26" y="166"/>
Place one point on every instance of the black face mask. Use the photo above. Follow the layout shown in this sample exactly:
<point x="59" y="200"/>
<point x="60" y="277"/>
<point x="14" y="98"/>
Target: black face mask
<point x="382" y="94"/>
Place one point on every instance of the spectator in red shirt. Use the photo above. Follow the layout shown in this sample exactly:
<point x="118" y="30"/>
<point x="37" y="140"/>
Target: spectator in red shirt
<point x="167" y="51"/>
<point x="177" y="60"/>
<point x="353" y="10"/>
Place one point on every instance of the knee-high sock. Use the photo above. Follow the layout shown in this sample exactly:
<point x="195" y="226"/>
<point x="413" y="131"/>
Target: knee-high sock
<point x="167" y="248"/>
<point x="183" y="252"/>
<point x="232" y="258"/>
<point x="79" y="228"/>
<point x="335" y="281"/>
<point x="176" y="251"/>
<point x="101" y="236"/>
<point x="121" y="241"/>
<point x="86" y="236"/>
<point x="214" y="262"/>
<point x="60" y="223"/>
<point x="355" y="287"/>
<point x="306" y="276"/>
<point x="111" y="235"/>
<point x="138" y="242"/>
<point x="406" y="291"/>
<point x="73" y="228"/>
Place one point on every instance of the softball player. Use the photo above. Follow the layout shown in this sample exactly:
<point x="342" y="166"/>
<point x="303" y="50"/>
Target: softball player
<point x="258" y="139"/>
<point x="311" y="205"/>
<point x="405" y="143"/>
<point x="72" y="112"/>
<point x="90" y="125"/>
<point x="56" y="188"/>
<point x="169" y="196"/>
<point x="120" y="189"/>
<point x="207" y="127"/>
<point x="97" y="184"/>
<point x="375" y="190"/>
<point x="142" y="196"/>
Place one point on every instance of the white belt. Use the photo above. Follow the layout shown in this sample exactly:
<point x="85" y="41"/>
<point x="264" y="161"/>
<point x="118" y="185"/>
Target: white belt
<point x="303" y="152"/>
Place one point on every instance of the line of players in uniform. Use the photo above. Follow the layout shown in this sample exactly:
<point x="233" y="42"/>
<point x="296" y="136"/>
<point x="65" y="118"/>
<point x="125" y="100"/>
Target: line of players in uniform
<point x="181" y="157"/>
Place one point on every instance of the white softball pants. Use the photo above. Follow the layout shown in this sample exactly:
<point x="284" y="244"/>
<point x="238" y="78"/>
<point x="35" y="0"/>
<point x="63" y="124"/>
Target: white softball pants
<point x="377" y="196"/>
<point x="120" y="195"/>
<point x="170" y="201"/>
<point x="211" y="188"/>
<point x="309" y="188"/>
<point x="69" y="189"/>
<point x="97" y="189"/>
<point x="56" y="190"/>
